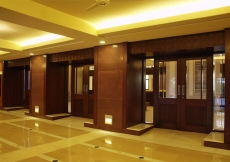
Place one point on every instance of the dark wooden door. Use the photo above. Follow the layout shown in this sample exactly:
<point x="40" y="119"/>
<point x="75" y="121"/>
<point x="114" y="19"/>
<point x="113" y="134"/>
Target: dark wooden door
<point x="184" y="94"/>
<point x="82" y="91"/>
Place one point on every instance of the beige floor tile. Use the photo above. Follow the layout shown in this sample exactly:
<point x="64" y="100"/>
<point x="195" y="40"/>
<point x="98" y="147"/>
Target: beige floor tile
<point x="34" y="159"/>
<point x="54" y="129"/>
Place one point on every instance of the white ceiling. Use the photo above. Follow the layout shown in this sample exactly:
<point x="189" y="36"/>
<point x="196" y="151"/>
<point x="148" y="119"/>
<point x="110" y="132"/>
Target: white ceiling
<point x="120" y="21"/>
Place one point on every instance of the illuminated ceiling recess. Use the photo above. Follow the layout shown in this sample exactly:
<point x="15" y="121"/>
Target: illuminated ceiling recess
<point x="65" y="26"/>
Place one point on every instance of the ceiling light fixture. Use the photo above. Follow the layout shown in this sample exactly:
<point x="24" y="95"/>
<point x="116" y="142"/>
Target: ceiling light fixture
<point x="102" y="42"/>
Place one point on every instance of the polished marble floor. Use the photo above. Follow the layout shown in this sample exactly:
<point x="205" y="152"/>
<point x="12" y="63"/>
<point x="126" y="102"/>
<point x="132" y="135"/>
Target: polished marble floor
<point x="29" y="139"/>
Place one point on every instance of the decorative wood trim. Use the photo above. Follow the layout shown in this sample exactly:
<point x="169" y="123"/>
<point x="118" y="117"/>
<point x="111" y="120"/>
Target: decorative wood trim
<point x="227" y="88"/>
<point x="18" y="62"/>
<point x="178" y="43"/>
<point x="72" y="55"/>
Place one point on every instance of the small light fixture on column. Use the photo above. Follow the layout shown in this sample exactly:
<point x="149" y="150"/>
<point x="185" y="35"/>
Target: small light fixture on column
<point x="109" y="119"/>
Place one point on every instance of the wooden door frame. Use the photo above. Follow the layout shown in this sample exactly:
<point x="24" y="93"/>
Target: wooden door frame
<point x="197" y="53"/>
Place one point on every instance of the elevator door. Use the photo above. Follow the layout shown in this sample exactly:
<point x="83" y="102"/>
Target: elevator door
<point x="184" y="96"/>
<point x="82" y="91"/>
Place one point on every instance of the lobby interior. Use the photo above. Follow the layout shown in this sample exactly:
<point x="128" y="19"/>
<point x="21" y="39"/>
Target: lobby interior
<point x="106" y="66"/>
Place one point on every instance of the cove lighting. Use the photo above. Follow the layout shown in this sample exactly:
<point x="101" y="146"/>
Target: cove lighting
<point x="159" y="12"/>
<point x="41" y="39"/>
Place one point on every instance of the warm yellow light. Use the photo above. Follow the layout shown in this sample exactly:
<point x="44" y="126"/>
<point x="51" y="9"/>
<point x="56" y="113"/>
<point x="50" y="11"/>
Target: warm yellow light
<point x="174" y="9"/>
<point x="102" y="42"/>
<point x="3" y="52"/>
<point x="108" y="141"/>
<point x="37" y="124"/>
<point x="37" y="109"/>
<point x="115" y="45"/>
<point x="31" y="54"/>
<point x="41" y="39"/>
<point x="109" y="119"/>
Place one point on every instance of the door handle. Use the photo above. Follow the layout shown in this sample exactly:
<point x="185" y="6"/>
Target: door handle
<point x="86" y="88"/>
<point x="178" y="90"/>
<point x="83" y="88"/>
<point x="183" y="90"/>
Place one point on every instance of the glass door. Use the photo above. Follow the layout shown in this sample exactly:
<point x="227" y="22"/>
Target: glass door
<point x="82" y="91"/>
<point x="182" y="100"/>
<point x="167" y="105"/>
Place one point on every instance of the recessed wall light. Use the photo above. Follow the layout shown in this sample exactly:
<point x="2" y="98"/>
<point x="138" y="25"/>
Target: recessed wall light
<point x="44" y="55"/>
<point x="115" y="45"/>
<point x="102" y="42"/>
<point x="31" y="54"/>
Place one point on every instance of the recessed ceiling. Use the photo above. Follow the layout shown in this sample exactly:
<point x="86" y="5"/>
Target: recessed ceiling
<point x="119" y="21"/>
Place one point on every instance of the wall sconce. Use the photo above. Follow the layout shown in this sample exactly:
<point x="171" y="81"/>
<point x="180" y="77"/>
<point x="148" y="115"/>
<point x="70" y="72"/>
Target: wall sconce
<point x="109" y="119"/>
<point x="37" y="109"/>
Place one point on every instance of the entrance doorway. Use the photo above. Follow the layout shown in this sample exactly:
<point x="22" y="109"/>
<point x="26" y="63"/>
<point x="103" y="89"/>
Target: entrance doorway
<point x="82" y="91"/>
<point x="183" y="96"/>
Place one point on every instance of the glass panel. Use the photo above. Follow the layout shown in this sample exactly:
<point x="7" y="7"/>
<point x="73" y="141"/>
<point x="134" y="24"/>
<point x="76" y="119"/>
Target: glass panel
<point x="204" y="78"/>
<point x="149" y="83"/>
<point x="149" y="108"/>
<point x="196" y="79"/>
<point x="28" y="80"/>
<point x="79" y="76"/>
<point x="218" y="91"/>
<point x="91" y="68"/>
<point x="90" y="83"/>
<point x="168" y="82"/>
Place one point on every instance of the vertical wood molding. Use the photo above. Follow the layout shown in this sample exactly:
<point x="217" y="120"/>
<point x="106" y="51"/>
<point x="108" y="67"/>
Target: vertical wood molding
<point x="227" y="88"/>
<point x="95" y="84"/>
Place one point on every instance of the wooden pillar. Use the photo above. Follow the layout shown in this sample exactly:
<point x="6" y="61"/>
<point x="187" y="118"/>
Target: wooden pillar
<point x="110" y="86"/>
<point x="38" y="85"/>
<point x="227" y="87"/>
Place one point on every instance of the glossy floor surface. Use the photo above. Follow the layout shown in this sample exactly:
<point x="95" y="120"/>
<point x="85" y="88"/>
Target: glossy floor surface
<point x="26" y="139"/>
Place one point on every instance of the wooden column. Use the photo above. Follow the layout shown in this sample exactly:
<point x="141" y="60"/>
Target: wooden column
<point x="56" y="88"/>
<point x="110" y="86"/>
<point x="227" y="87"/>
<point x="38" y="85"/>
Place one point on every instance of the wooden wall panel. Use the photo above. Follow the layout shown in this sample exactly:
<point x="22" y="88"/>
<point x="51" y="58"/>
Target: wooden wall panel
<point x="202" y="40"/>
<point x="227" y="87"/>
<point x="12" y="86"/>
<point x="38" y="85"/>
<point x="134" y="91"/>
<point x="110" y="84"/>
<point x="56" y="88"/>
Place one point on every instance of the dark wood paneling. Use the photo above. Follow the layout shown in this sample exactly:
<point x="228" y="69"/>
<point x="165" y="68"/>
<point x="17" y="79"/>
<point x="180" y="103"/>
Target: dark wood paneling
<point x="227" y="88"/>
<point x="196" y="116"/>
<point x="19" y="62"/>
<point x="12" y="86"/>
<point x="167" y="113"/>
<point x="70" y="56"/>
<point x="134" y="91"/>
<point x="56" y="89"/>
<point x="38" y="85"/>
<point x="202" y="40"/>
<point x="110" y="84"/>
